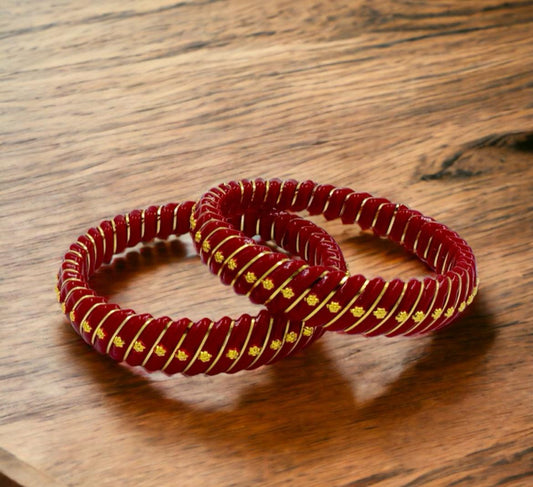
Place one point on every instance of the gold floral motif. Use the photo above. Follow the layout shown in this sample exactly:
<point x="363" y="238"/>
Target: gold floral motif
<point x="86" y="327"/>
<point x="462" y="307"/>
<point x="250" y="277"/>
<point x="181" y="355"/>
<point x="380" y="313"/>
<point x="232" y="264"/>
<point x="275" y="344"/>
<point x="160" y="350"/>
<point x="254" y="351"/>
<point x="357" y="311"/>
<point x="419" y="316"/>
<point x="138" y="346"/>
<point x="449" y="312"/>
<point x="291" y="337"/>
<point x="192" y="220"/>
<point x="206" y="246"/>
<point x="268" y="284"/>
<point x="72" y="316"/>
<point x="401" y="316"/>
<point x="312" y="300"/>
<point x="100" y="333"/>
<point x="63" y="308"/>
<point x="436" y="313"/>
<point x="205" y="356"/>
<point x="470" y="299"/>
<point x="58" y="294"/>
<point x="219" y="257"/>
<point x="308" y="331"/>
<point x="287" y="292"/>
<point x="333" y="307"/>
<point x="197" y="237"/>
<point x="232" y="354"/>
<point x="118" y="342"/>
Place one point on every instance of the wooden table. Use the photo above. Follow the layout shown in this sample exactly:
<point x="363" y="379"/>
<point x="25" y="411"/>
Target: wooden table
<point x="110" y="106"/>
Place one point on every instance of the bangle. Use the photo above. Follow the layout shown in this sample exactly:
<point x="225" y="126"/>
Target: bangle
<point x="332" y="299"/>
<point x="184" y="346"/>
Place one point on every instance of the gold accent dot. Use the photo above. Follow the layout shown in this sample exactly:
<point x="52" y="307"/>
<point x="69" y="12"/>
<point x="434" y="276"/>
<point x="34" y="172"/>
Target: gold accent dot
<point x="312" y="300"/>
<point x="291" y="337"/>
<point x="401" y="316"/>
<point x="100" y="333"/>
<point x="197" y="237"/>
<point x="436" y="313"/>
<point x="232" y="264"/>
<point x="380" y="313"/>
<point x="449" y="312"/>
<point x="275" y="344"/>
<point x="254" y="351"/>
<point x="138" y="346"/>
<point x="118" y="342"/>
<point x="357" y="311"/>
<point x="462" y="307"/>
<point x="206" y="246"/>
<point x="250" y="277"/>
<point x="160" y="350"/>
<point x="86" y="327"/>
<point x="205" y="356"/>
<point x="419" y="316"/>
<point x="181" y="355"/>
<point x="219" y="257"/>
<point x="333" y="307"/>
<point x="287" y="292"/>
<point x="232" y="354"/>
<point x="308" y="331"/>
<point x="268" y="284"/>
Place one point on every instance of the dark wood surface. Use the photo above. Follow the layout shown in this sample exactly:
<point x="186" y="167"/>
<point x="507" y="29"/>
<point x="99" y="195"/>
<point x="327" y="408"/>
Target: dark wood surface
<point x="110" y="106"/>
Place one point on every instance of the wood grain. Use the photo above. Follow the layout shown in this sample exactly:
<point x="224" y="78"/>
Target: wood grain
<point x="109" y="106"/>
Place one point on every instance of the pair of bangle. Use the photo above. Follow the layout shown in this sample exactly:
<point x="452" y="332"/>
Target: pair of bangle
<point x="305" y="293"/>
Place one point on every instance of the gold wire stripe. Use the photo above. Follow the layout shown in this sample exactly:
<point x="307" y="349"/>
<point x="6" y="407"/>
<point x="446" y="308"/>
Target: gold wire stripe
<point x="272" y="231"/>
<point x="376" y="216"/>
<point x="295" y="196"/>
<point x="158" y="223"/>
<point x="426" y="251"/>
<point x="143" y="222"/>
<point x="391" y="312"/>
<point x="349" y="305"/>
<point x="267" y="190"/>
<point x="415" y="244"/>
<point x="136" y="337"/>
<point x="104" y="242"/>
<point x="72" y="290"/>
<point x="199" y="349"/>
<point x="411" y="311"/>
<point x="303" y="295"/>
<point x="128" y="230"/>
<point x="436" y="258"/>
<point x="269" y="271"/>
<point x="95" y="250"/>
<point x="222" y="347"/>
<point x="241" y="185"/>
<point x="156" y="342"/>
<point x="283" y="341"/>
<point x="278" y="199"/>
<point x="175" y="218"/>
<point x="94" y="335"/>
<point x="87" y="257"/>
<point x="328" y="200"/>
<point x="363" y="203"/>
<point x="243" y="269"/>
<point x="213" y="250"/>
<point x="343" y="207"/>
<point x="392" y="220"/>
<point x="404" y="233"/>
<point x="282" y="286"/>
<point x="370" y="309"/>
<point x="229" y="257"/>
<point x="80" y="300"/>
<point x="244" y="346"/>
<point x="178" y="345"/>
<point x="445" y="263"/>
<point x="444" y="306"/>
<point x="325" y="301"/>
<point x="306" y="250"/>
<point x="116" y="332"/>
<point x="75" y="252"/>
<point x="86" y="316"/>
<point x="68" y="279"/>
<point x="265" y="343"/>
<point x="70" y="261"/>
<point x="114" y="227"/>
<point x="428" y="312"/>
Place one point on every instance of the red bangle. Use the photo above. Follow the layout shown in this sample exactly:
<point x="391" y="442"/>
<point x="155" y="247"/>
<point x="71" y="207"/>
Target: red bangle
<point x="331" y="299"/>
<point x="183" y="346"/>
